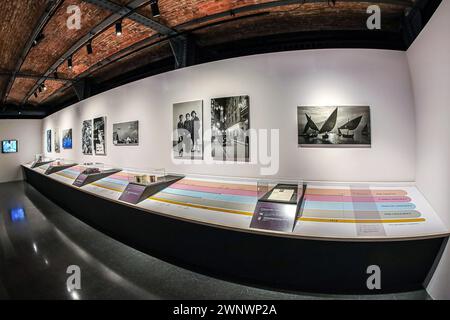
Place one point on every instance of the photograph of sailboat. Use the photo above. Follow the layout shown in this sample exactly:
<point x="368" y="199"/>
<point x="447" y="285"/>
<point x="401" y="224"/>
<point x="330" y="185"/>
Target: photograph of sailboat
<point x="334" y="126"/>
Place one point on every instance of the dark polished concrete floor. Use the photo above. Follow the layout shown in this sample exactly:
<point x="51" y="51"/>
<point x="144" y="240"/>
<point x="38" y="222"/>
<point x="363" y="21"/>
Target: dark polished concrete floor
<point x="37" y="248"/>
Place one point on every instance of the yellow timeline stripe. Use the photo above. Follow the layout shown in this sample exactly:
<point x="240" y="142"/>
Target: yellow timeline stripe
<point x="65" y="176"/>
<point x="108" y="188"/>
<point x="198" y="206"/>
<point x="360" y="221"/>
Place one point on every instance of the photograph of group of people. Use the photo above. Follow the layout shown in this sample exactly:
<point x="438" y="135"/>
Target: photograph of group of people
<point x="188" y="127"/>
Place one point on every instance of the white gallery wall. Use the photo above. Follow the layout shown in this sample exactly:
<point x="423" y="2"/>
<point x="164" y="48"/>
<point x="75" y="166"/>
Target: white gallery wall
<point x="28" y="134"/>
<point x="276" y="83"/>
<point x="429" y="61"/>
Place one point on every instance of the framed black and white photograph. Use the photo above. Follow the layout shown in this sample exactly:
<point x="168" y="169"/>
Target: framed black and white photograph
<point x="57" y="141"/>
<point x="86" y="137"/>
<point x="100" y="136"/>
<point x="49" y="140"/>
<point x="187" y="124"/>
<point x="230" y="120"/>
<point x="67" y="139"/>
<point x="126" y="133"/>
<point x="335" y="126"/>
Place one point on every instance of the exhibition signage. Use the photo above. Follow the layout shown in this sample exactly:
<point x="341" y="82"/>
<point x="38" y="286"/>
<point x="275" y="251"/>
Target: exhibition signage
<point x="79" y="181"/>
<point x="133" y="193"/>
<point x="274" y="216"/>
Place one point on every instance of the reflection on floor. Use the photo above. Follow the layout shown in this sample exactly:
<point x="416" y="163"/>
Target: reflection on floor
<point x="39" y="240"/>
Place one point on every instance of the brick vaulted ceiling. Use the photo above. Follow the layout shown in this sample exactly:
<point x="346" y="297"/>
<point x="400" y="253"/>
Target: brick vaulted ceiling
<point x="210" y="23"/>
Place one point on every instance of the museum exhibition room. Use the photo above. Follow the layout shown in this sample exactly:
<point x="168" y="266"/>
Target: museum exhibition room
<point x="224" y="150"/>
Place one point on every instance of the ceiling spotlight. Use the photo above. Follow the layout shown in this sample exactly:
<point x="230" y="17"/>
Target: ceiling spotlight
<point x="44" y="87"/>
<point x="69" y="63"/>
<point x="155" y="8"/>
<point x="119" y="28"/>
<point x="35" y="94"/>
<point x="38" y="39"/>
<point x="89" y="48"/>
<point x="40" y="89"/>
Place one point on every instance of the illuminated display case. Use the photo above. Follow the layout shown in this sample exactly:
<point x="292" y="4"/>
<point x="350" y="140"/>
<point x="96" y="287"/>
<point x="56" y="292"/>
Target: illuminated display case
<point x="145" y="177"/>
<point x="40" y="160"/>
<point x="145" y="183"/>
<point x="59" y="165"/>
<point x="278" y="205"/>
<point x="93" y="171"/>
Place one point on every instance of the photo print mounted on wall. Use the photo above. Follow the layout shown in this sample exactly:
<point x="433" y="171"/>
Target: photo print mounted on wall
<point x="126" y="133"/>
<point x="230" y="120"/>
<point x="86" y="137"/>
<point x="67" y="139"/>
<point x="100" y="136"/>
<point x="56" y="138"/>
<point x="337" y="126"/>
<point x="187" y="125"/>
<point x="49" y="140"/>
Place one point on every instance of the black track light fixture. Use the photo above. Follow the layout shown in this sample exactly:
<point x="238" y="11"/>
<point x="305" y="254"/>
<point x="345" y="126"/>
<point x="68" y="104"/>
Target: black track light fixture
<point x="155" y="8"/>
<point x="35" y="94"/>
<point x="69" y="63"/>
<point x="89" y="48"/>
<point x="118" y="28"/>
<point x="38" y="39"/>
<point x="44" y="87"/>
<point x="40" y="89"/>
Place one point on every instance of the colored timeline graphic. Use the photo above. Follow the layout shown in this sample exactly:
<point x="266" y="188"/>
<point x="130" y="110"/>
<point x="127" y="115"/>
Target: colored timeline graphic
<point x="367" y="208"/>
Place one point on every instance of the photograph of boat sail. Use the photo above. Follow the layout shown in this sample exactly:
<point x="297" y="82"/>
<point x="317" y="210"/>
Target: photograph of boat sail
<point x="342" y="126"/>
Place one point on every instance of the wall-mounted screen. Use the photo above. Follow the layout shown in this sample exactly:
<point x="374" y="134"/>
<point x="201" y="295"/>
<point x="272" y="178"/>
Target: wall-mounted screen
<point x="67" y="139"/>
<point x="334" y="126"/>
<point x="187" y="140"/>
<point x="126" y="133"/>
<point x="9" y="146"/>
<point x="230" y="122"/>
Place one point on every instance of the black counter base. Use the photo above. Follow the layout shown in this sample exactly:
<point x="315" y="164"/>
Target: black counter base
<point x="306" y="265"/>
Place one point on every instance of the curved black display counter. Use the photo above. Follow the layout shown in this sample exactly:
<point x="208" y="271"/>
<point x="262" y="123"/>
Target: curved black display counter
<point x="256" y="258"/>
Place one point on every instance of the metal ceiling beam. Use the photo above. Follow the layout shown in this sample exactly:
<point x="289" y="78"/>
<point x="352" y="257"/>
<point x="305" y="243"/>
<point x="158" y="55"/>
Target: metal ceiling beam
<point x="102" y="26"/>
<point x="155" y="25"/>
<point x="278" y="3"/>
<point x="33" y="76"/>
<point x="50" y="10"/>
